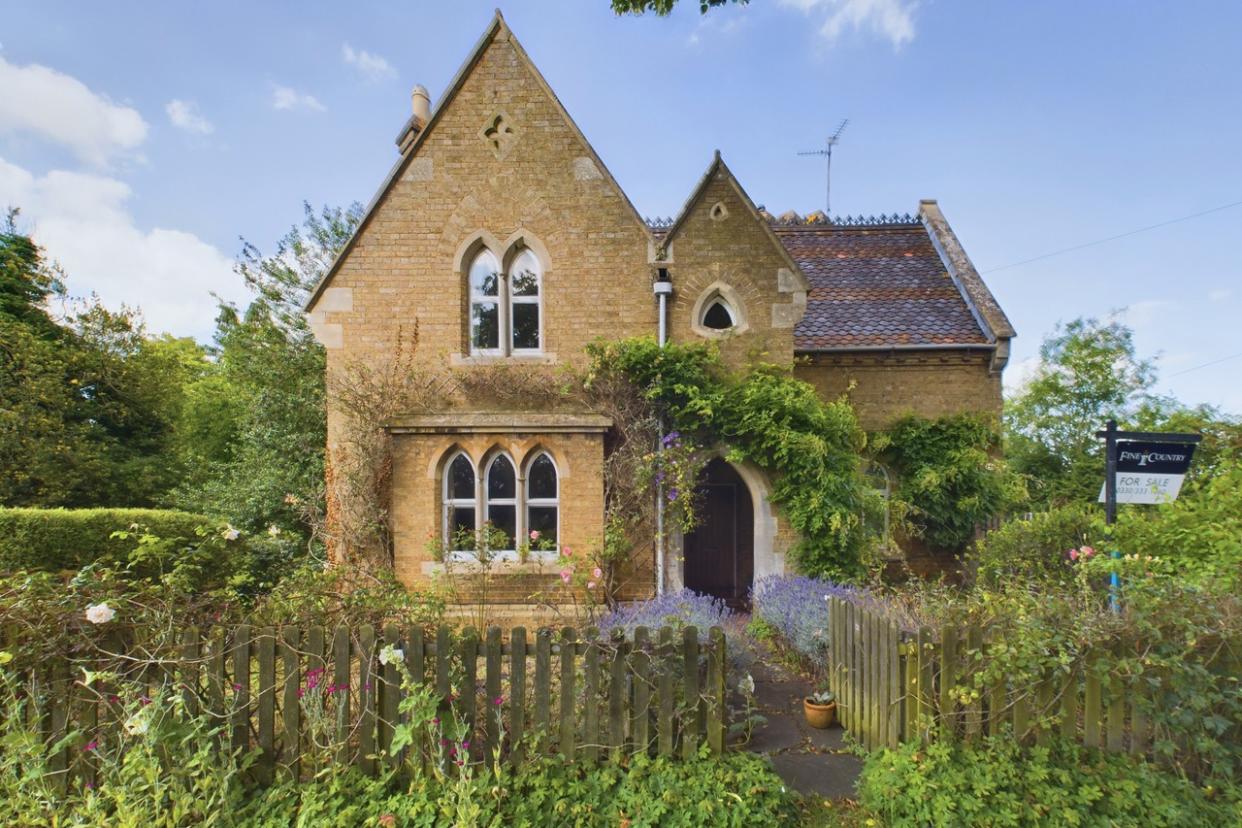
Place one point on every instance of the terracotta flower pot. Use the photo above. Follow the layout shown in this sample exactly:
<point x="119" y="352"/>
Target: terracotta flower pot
<point x="819" y="716"/>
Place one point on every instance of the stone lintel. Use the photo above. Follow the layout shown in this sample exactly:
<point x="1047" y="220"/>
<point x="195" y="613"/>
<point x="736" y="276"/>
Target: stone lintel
<point x="503" y="422"/>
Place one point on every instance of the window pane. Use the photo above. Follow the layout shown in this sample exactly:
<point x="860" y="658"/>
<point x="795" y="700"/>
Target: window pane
<point x="525" y="325"/>
<point x="525" y="275"/>
<point x="542" y="519"/>
<point x="501" y="483"/>
<point x="485" y="325"/>
<point x="485" y="276"/>
<point x="461" y="479"/>
<point x="718" y="316"/>
<point x="541" y="481"/>
<point x="461" y="527"/>
<point x="503" y="519"/>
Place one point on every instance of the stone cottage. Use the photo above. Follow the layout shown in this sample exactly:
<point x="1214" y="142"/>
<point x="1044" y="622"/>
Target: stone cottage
<point x="501" y="233"/>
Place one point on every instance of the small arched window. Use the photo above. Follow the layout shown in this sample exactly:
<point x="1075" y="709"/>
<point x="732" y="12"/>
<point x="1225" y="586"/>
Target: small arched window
<point x="460" y="504"/>
<point x="542" y="498"/>
<point x="718" y="316"/>
<point x="500" y="506"/>
<point x="486" y="302"/>
<point x="506" y="309"/>
<point x="879" y="520"/>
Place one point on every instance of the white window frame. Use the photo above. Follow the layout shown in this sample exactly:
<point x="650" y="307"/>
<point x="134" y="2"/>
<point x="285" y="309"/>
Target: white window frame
<point x="449" y="503"/>
<point x="484" y="299"/>
<point x="514" y="299"/>
<point x="541" y="501"/>
<point x="515" y="502"/>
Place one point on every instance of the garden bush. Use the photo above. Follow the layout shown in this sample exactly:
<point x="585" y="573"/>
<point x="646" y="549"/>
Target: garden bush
<point x="1035" y="549"/>
<point x="64" y="539"/>
<point x="999" y="783"/>
<point x="796" y="608"/>
<point x="683" y="608"/>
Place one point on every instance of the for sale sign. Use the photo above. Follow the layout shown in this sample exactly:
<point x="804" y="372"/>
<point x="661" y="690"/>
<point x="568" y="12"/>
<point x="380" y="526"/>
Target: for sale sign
<point x="1150" y="472"/>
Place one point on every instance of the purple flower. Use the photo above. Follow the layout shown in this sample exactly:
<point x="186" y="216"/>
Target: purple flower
<point x="797" y="607"/>
<point x="671" y="438"/>
<point x="672" y="495"/>
<point x="676" y="609"/>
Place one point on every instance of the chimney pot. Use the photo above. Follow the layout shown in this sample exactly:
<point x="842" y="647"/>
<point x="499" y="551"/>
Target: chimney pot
<point x="421" y="102"/>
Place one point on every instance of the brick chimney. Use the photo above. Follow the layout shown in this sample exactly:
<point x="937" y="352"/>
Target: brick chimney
<point x="420" y="102"/>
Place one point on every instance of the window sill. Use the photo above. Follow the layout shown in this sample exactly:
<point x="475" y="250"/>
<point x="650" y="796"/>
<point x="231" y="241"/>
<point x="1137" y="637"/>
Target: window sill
<point x="457" y="360"/>
<point x="511" y="566"/>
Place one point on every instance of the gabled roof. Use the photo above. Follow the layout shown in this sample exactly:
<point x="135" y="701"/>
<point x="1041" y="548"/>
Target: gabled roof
<point x="496" y="28"/>
<point x="718" y="166"/>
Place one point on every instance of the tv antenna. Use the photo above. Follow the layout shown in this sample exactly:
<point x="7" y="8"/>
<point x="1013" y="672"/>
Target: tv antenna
<point x="832" y="141"/>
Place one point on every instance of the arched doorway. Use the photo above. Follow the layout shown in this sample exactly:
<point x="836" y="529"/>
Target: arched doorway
<point x="720" y="551"/>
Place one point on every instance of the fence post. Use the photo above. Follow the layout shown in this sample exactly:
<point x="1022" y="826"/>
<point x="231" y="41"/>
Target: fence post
<point x="666" y="692"/>
<point x="717" y="669"/>
<point x="266" y="649"/>
<point x="492" y="661"/>
<point x="1091" y="706"/>
<point x="894" y="685"/>
<point x="241" y="689"/>
<point x="974" y="709"/>
<point x="469" y="691"/>
<point x="616" y="696"/>
<point x="690" y="696"/>
<point x="948" y="678"/>
<point x="569" y="655"/>
<point x="389" y="698"/>
<point x="517" y="693"/>
<point x="290" y="705"/>
<point x="590" y="697"/>
<point x="641" y="714"/>
<point x="543" y="686"/>
<point x="341" y="678"/>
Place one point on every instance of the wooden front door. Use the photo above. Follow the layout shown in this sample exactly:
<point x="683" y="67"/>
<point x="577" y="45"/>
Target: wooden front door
<point x="720" y="550"/>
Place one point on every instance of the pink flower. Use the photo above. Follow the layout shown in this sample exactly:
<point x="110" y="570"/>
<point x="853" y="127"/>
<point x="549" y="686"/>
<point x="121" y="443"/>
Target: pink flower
<point x="590" y="585"/>
<point x="465" y="746"/>
<point x="567" y="552"/>
<point x="566" y="574"/>
<point x="597" y="573"/>
<point x="534" y="534"/>
<point x="1087" y="551"/>
<point x="498" y="701"/>
<point x="91" y="745"/>
<point x="1073" y="553"/>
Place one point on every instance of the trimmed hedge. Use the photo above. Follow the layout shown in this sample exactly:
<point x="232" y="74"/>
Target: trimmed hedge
<point x="64" y="539"/>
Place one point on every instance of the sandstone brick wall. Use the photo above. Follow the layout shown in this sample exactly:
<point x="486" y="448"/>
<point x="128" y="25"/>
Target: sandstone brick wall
<point x="886" y="386"/>
<point x="721" y="242"/>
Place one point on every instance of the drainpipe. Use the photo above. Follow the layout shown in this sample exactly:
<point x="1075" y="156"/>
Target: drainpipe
<point x="663" y="289"/>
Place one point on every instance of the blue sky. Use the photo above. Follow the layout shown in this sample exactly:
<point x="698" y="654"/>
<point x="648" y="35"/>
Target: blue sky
<point x="141" y="140"/>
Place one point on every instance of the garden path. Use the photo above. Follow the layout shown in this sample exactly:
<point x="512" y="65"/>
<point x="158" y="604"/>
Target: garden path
<point x="810" y="761"/>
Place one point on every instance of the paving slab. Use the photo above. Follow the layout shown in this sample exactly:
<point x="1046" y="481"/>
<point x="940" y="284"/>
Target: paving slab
<point x="776" y="734"/>
<point x="830" y="775"/>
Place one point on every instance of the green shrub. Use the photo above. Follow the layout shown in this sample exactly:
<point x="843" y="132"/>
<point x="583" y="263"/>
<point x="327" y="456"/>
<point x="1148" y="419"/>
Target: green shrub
<point x="738" y="789"/>
<point x="63" y="539"/>
<point x="1035" y="549"/>
<point x="1000" y="783"/>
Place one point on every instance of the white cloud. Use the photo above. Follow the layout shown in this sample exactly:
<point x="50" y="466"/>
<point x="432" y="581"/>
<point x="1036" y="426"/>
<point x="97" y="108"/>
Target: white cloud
<point x="1144" y="313"/>
<point x="1220" y="294"/>
<point x="186" y="115"/>
<point x="890" y="19"/>
<point x="373" y="67"/>
<point x="286" y="98"/>
<point x="1018" y="374"/>
<point x="61" y="108"/>
<point x="82" y="221"/>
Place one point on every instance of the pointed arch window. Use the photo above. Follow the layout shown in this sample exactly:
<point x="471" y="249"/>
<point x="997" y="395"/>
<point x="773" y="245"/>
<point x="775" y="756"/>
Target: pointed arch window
<point x="506" y="306"/>
<point x="718" y="315"/>
<point x="460" y="504"/>
<point x="543" y="498"/>
<point x="500" y="503"/>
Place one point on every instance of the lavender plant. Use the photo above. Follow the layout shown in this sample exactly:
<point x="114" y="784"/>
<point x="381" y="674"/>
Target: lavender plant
<point x="797" y="608"/>
<point x="675" y="609"/>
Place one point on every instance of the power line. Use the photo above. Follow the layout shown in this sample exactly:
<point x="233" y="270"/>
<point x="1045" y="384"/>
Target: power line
<point x="1113" y="238"/>
<point x="1205" y="365"/>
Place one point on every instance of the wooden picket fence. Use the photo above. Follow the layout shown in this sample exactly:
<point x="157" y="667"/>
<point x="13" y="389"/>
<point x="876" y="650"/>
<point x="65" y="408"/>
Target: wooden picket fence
<point x="602" y="698"/>
<point x="894" y="686"/>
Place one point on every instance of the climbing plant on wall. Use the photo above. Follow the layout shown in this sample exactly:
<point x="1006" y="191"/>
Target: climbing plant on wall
<point x="763" y="415"/>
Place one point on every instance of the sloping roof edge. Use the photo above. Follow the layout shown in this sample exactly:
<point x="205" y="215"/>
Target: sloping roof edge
<point x="718" y="165"/>
<point x="495" y="27"/>
<point x="979" y="298"/>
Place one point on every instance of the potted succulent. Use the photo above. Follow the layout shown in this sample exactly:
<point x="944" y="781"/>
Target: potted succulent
<point x="820" y="709"/>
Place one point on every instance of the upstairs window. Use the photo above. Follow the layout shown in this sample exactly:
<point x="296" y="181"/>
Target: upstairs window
<point x="718" y="316"/>
<point x="506" y="307"/>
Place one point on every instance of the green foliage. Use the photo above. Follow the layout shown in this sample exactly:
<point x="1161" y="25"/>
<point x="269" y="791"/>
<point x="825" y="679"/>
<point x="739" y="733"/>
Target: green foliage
<point x="1001" y="784"/>
<point x="949" y="474"/>
<point x="664" y="7"/>
<point x="767" y="417"/>
<point x="1034" y="549"/>
<point x="1200" y="533"/>
<point x="61" y="539"/>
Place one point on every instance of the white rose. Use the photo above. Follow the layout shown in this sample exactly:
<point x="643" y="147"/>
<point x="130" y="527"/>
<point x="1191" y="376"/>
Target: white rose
<point x="747" y="685"/>
<point x="273" y="530"/>
<point x="391" y="655"/>
<point x="100" y="613"/>
<point x="230" y="533"/>
<point x="137" y="724"/>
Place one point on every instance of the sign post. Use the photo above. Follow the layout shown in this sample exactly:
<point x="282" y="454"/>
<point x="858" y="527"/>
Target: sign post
<point x="1141" y="467"/>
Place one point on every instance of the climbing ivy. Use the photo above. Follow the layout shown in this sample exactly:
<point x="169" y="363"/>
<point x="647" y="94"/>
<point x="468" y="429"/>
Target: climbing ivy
<point x="765" y="416"/>
<point x="950" y="476"/>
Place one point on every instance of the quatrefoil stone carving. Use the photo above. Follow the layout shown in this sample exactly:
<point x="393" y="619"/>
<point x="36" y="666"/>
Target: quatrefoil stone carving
<point x="499" y="134"/>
